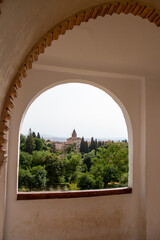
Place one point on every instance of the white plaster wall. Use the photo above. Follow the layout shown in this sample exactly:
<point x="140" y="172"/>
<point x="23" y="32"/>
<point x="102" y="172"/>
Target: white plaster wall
<point x="22" y="24"/>
<point x="108" y="217"/>
<point x="153" y="158"/>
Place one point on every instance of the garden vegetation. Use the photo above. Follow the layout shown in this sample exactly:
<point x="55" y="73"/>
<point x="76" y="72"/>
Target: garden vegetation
<point x="97" y="165"/>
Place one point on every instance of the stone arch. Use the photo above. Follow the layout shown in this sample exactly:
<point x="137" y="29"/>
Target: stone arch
<point x="138" y="8"/>
<point x="108" y="90"/>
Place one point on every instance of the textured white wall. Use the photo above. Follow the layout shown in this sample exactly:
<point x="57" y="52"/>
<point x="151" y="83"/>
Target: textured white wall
<point x="153" y="158"/>
<point x="22" y="24"/>
<point x="118" y="217"/>
<point x="112" y="217"/>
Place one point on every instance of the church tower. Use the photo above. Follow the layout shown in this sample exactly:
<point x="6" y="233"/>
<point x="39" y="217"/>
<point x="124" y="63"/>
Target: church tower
<point x="74" y="134"/>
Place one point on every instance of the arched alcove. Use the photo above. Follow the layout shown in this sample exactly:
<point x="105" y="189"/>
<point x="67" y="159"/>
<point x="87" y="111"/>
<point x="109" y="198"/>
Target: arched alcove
<point x="138" y="8"/>
<point x="127" y="90"/>
<point x="36" y="82"/>
<point x="125" y="113"/>
<point x="138" y="90"/>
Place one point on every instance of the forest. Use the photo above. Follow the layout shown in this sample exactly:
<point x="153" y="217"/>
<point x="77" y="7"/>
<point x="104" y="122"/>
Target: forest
<point x="98" y="165"/>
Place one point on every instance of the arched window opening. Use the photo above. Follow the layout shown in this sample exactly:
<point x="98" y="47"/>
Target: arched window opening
<point x="73" y="138"/>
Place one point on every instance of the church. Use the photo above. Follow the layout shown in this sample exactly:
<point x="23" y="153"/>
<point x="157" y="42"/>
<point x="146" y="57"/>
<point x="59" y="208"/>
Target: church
<point x="74" y="140"/>
<point x="112" y="45"/>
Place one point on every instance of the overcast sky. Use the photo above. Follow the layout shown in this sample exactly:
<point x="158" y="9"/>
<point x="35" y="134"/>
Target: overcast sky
<point x="87" y="109"/>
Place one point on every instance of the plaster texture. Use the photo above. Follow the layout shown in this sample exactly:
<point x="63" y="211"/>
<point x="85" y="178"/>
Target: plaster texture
<point x="119" y="54"/>
<point x="83" y="218"/>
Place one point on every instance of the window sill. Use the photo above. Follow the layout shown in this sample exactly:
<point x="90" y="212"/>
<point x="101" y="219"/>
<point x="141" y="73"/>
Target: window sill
<point x="72" y="194"/>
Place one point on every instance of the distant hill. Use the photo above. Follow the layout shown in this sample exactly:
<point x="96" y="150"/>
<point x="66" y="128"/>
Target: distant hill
<point x="64" y="139"/>
<point x="54" y="139"/>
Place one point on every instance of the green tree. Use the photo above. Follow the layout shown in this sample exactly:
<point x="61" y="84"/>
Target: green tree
<point x="54" y="168"/>
<point x="25" y="160"/>
<point x="34" y="134"/>
<point x="34" y="178"/>
<point x="99" y="184"/>
<point x="69" y="148"/>
<point x="88" y="159"/>
<point x="97" y="173"/>
<point x="95" y="144"/>
<point x="92" y="145"/>
<point x="111" y="162"/>
<point x="83" y="146"/>
<point x="30" y="144"/>
<point x="38" y="177"/>
<point x="86" y="181"/>
<point x="72" y="164"/>
<point x="38" y="135"/>
<point x="124" y="179"/>
<point x="86" y="150"/>
<point x="22" y="142"/>
<point x="39" y="157"/>
<point x="99" y="144"/>
<point x="39" y="144"/>
<point x="110" y="174"/>
<point x="51" y="147"/>
<point x="24" y="179"/>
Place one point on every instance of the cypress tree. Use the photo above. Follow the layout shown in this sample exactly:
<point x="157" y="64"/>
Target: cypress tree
<point x="82" y="145"/>
<point x="92" y="145"/>
<point x="34" y="134"/>
<point x="86" y="150"/>
<point x="95" y="144"/>
<point x="30" y="144"/>
<point x="99" y="144"/>
<point x="38" y="135"/>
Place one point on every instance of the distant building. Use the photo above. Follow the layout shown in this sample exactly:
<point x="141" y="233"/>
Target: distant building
<point x="48" y="142"/>
<point x="74" y="139"/>
<point x="59" y="146"/>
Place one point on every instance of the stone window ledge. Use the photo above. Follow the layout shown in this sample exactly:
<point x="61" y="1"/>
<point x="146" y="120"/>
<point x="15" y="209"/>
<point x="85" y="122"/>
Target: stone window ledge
<point x="72" y="194"/>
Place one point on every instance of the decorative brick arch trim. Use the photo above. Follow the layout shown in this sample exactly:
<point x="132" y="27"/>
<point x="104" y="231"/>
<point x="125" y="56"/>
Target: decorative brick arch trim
<point x="136" y="8"/>
<point x="1" y="1"/>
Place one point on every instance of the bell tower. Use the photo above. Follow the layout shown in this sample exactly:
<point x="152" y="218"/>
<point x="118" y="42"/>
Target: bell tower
<point x="74" y="134"/>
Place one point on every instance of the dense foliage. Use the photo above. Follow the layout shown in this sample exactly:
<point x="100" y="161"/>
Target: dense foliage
<point x="99" y="165"/>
